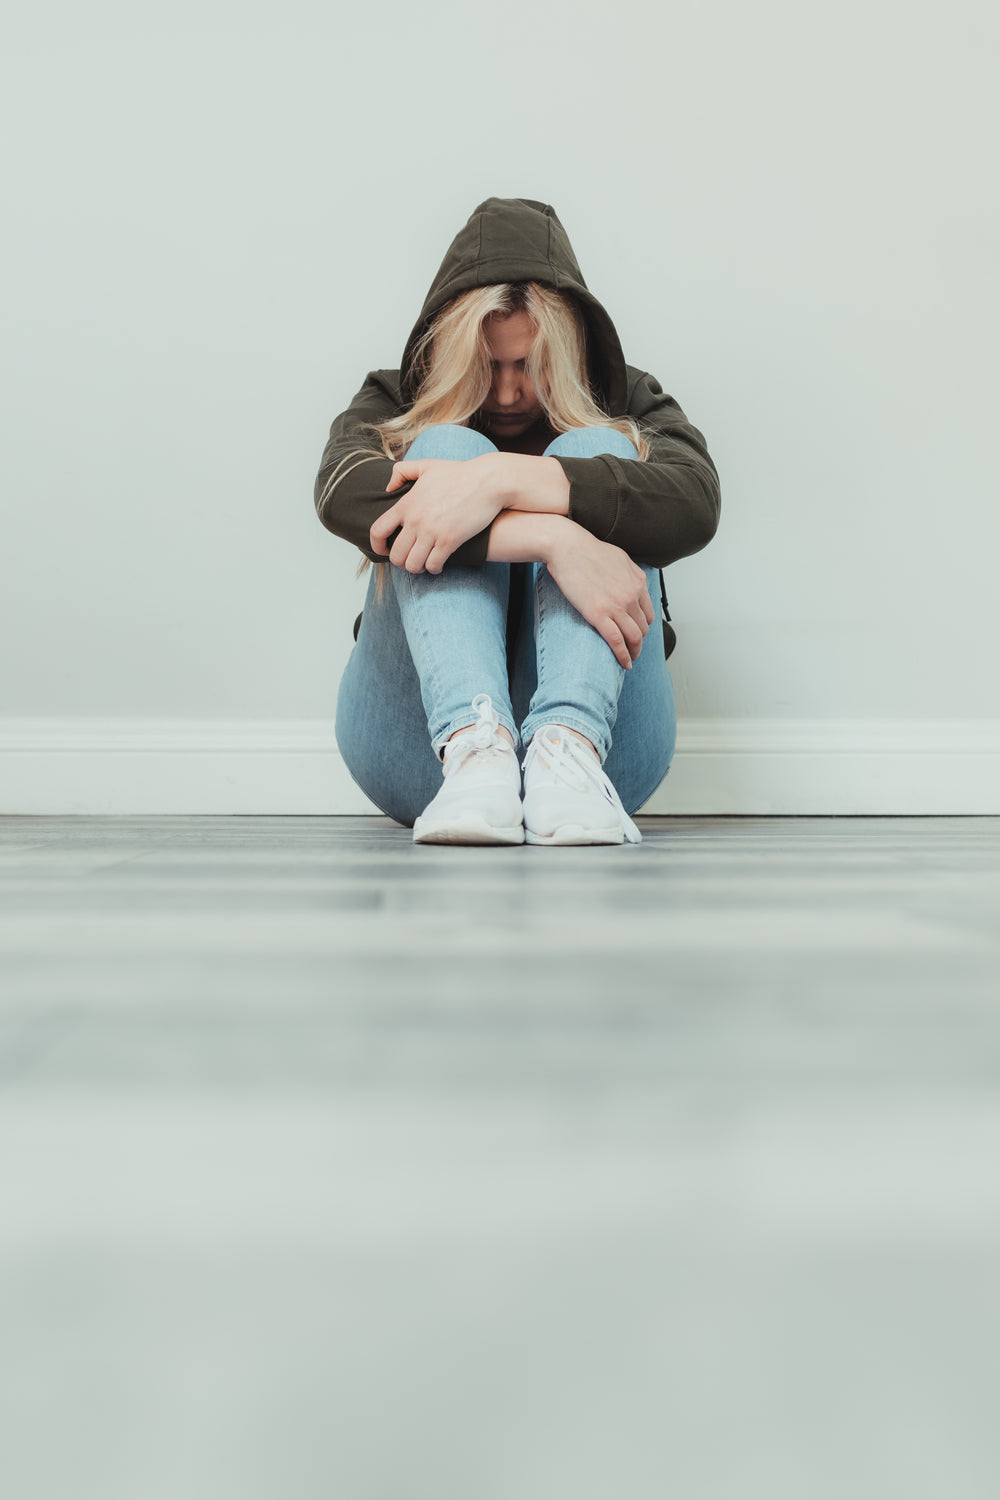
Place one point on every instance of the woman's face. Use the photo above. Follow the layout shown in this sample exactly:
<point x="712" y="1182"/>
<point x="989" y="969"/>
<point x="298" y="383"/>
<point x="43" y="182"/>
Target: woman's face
<point x="512" y="405"/>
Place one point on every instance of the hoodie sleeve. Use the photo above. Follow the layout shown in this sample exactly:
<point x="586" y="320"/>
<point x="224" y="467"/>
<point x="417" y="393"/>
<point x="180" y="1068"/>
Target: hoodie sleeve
<point x="659" y="510"/>
<point x="350" y="492"/>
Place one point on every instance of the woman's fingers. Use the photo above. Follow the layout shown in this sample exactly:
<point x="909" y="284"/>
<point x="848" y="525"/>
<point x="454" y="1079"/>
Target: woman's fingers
<point x="382" y="529"/>
<point x="612" y="634"/>
<point x="403" y="472"/>
<point x="632" y="618"/>
<point x="416" y="558"/>
<point x="624" y="637"/>
<point x="409" y="551"/>
<point x="638" y="614"/>
<point x="642" y="613"/>
<point x="632" y="635"/>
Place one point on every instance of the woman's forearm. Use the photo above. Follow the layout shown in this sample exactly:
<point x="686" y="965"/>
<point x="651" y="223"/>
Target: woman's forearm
<point x="526" y="483"/>
<point x="520" y="536"/>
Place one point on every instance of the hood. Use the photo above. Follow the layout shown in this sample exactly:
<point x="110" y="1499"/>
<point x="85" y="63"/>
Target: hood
<point x="517" y="239"/>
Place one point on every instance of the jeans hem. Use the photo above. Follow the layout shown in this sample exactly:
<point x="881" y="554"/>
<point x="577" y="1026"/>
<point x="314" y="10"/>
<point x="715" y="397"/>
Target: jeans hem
<point x="534" y="722"/>
<point x="463" y="721"/>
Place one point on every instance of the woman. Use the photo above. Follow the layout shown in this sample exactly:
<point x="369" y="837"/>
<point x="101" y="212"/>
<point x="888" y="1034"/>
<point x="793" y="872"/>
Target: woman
<point x="517" y="486"/>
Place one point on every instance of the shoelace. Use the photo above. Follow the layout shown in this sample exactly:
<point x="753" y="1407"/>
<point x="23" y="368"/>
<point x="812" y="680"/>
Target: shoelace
<point x="483" y="737"/>
<point x="576" y="767"/>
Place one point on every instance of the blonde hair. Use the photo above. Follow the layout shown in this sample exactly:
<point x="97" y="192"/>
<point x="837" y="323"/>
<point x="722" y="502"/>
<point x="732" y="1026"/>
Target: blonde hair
<point x="453" y="373"/>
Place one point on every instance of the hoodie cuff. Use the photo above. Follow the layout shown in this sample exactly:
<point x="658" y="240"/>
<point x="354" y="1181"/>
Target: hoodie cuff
<point x="471" y="554"/>
<point x="593" y="494"/>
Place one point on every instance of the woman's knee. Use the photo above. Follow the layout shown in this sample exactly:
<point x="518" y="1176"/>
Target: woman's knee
<point x="450" y="440"/>
<point x="591" y="442"/>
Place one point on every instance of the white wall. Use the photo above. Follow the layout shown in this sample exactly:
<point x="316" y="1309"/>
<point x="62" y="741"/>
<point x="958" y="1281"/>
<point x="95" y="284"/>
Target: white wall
<point x="218" y="221"/>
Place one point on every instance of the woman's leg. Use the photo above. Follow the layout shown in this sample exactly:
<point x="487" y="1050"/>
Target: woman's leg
<point x="381" y="725"/>
<point x="646" y="726"/>
<point x="574" y="678"/>
<point x="384" y="708"/>
<point x="578" y="679"/>
<point x="456" y="621"/>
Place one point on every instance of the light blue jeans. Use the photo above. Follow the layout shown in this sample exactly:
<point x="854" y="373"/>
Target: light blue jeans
<point x="432" y="642"/>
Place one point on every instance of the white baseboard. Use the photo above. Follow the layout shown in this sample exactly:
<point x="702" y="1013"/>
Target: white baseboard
<point x="724" y="766"/>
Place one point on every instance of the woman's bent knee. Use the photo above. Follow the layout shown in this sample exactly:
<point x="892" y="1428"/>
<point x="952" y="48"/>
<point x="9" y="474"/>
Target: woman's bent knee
<point x="449" y="440"/>
<point x="591" y="442"/>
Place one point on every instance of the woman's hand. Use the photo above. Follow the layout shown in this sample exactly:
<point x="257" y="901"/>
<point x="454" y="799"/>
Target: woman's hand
<point x="451" y="501"/>
<point x="605" y="585"/>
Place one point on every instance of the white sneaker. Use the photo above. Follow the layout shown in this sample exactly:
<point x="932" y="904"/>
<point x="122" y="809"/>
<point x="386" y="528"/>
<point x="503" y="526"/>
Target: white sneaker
<point x="480" y="802"/>
<point x="567" y="797"/>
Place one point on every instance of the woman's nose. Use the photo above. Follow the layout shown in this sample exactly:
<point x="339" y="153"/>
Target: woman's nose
<point x="507" y="387"/>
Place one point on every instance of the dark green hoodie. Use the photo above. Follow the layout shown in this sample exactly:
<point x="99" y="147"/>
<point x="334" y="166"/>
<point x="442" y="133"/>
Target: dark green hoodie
<point x="657" y="511"/>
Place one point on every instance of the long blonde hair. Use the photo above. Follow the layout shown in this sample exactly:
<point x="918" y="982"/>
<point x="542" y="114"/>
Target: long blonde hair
<point x="453" y="372"/>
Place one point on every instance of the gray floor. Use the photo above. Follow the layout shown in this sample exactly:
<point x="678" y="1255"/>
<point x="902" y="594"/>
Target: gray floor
<point x="334" y="1167"/>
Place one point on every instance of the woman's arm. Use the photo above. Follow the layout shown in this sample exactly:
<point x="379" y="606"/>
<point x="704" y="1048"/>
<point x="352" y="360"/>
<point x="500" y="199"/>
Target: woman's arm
<point x="599" y="580"/>
<point x="451" y="501"/>
<point x="657" y="509"/>
<point x="662" y="508"/>
<point x="350" y="488"/>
